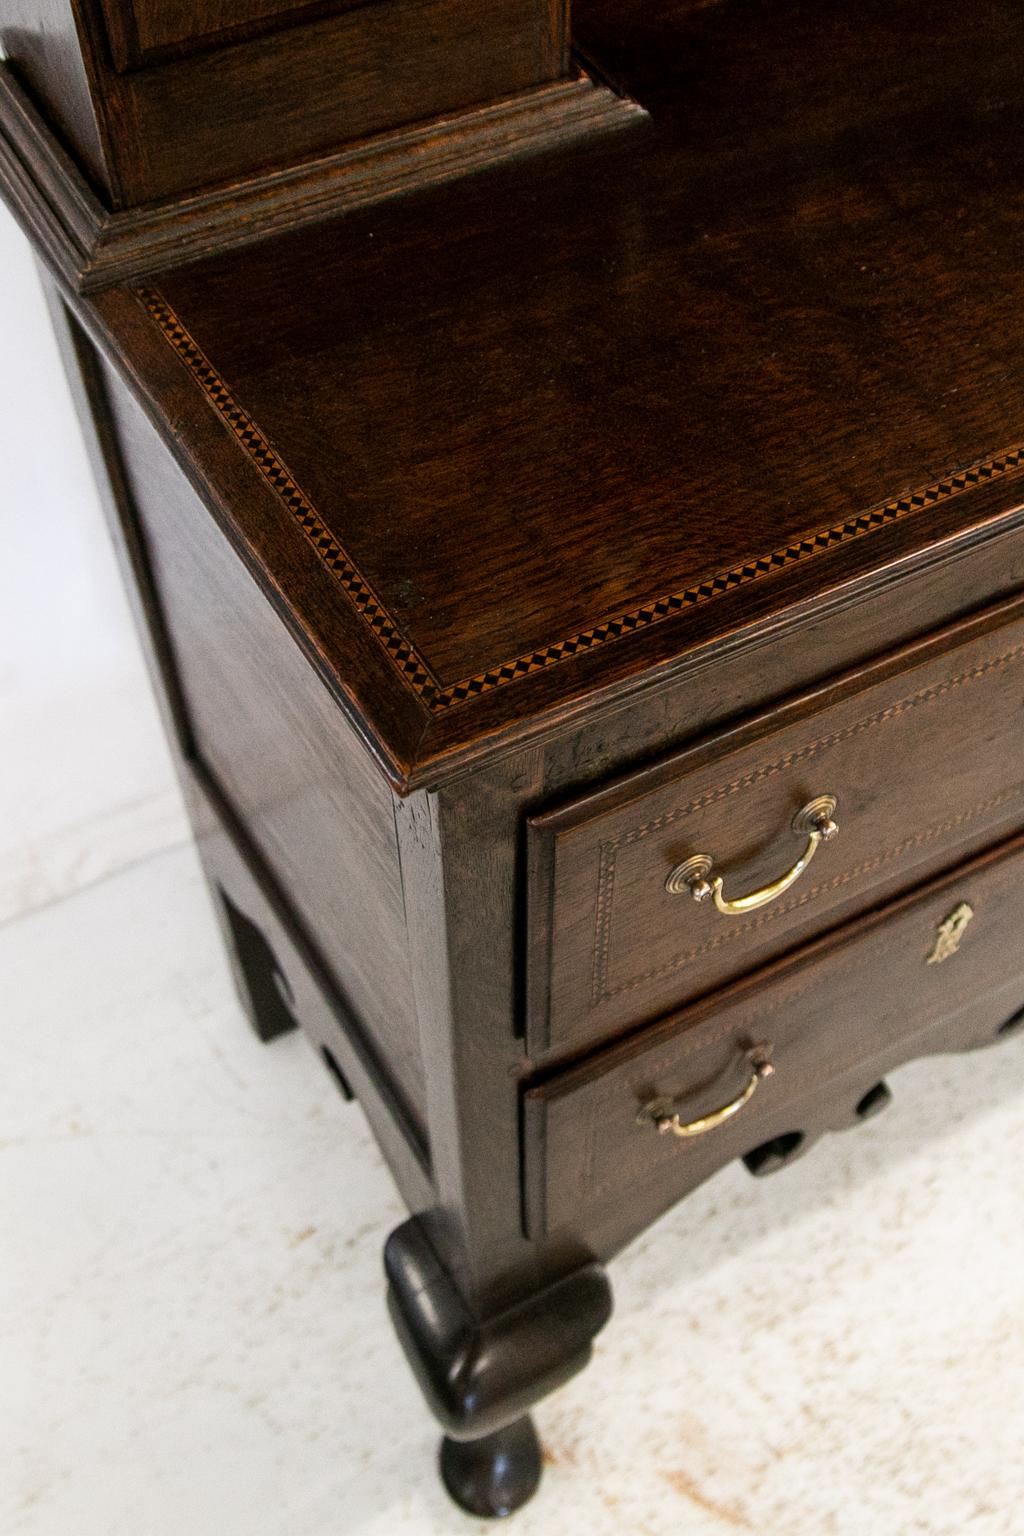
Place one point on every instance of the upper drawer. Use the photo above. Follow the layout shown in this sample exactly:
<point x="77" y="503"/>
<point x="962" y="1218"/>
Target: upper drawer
<point x="923" y="754"/>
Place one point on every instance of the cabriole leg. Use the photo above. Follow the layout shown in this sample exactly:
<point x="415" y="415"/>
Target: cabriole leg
<point x="480" y="1378"/>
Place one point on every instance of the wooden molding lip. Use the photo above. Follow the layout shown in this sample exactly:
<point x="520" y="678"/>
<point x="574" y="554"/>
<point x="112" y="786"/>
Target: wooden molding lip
<point x="93" y="248"/>
<point x="413" y="668"/>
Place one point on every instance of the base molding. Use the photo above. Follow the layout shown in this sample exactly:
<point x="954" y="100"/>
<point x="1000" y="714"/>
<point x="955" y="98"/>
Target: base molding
<point x="478" y="1378"/>
<point x="92" y="247"/>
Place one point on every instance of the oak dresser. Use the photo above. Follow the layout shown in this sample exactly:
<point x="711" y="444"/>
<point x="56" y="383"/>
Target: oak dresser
<point x="570" y="471"/>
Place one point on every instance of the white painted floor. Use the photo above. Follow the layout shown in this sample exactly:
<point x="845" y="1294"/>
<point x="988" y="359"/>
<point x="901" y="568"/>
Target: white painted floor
<point x="193" y="1340"/>
<point x="192" y="1324"/>
<point x="86" y="785"/>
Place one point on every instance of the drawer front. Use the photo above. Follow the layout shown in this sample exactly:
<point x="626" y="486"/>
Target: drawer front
<point x="940" y="969"/>
<point x="924" y="754"/>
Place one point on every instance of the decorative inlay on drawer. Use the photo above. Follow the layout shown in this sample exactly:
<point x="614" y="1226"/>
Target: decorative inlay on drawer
<point x="795" y="1048"/>
<point x="922" y="752"/>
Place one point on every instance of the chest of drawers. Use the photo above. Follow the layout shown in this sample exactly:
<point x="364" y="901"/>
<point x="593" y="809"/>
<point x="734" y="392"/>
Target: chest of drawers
<point x="586" y="601"/>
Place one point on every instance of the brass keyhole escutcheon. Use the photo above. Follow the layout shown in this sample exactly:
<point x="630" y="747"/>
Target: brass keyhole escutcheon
<point x="950" y="932"/>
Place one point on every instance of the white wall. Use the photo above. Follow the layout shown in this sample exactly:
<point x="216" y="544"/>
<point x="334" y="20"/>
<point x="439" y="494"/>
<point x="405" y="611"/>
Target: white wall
<point x="86" y="783"/>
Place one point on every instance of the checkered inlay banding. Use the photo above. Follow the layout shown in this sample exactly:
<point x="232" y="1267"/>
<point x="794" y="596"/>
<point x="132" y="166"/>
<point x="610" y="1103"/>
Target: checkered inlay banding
<point x="407" y="661"/>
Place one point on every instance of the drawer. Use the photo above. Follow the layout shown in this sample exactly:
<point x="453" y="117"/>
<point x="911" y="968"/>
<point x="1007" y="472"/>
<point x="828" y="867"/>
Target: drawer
<point x="940" y="969"/>
<point x="924" y="754"/>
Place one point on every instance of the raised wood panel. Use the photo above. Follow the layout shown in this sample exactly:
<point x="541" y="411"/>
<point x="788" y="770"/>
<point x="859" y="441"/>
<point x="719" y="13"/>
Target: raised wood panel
<point x="267" y="731"/>
<point x="308" y="89"/>
<point x="143" y="30"/>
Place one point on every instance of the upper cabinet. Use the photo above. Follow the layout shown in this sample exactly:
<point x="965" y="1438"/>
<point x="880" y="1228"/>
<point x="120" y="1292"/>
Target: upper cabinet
<point x="156" y="99"/>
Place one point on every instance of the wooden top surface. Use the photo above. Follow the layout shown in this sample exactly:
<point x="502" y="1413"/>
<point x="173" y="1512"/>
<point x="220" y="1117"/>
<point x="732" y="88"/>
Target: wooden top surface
<point x="505" y="445"/>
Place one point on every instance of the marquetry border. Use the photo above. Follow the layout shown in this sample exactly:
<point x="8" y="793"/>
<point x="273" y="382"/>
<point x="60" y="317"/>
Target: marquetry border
<point x="410" y="665"/>
<point x="601" y="990"/>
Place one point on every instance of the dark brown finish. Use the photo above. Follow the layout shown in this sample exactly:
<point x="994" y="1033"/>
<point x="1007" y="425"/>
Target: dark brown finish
<point x="615" y="497"/>
<point x="264" y="729"/>
<point x="263" y="987"/>
<point x="866" y="1000"/>
<point x="233" y="865"/>
<point x="393" y="63"/>
<point x="91" y="247"/>
<point x="479" y="526"/>
<point x="496" y="1475"/>
<point x="235" y="869"/>
<point x="410" y="660"/>
<point x="150" y="117"/>
<point x="610" y="946"/>
<point x="148" y="31"/>
<point x="481" y="1377"/>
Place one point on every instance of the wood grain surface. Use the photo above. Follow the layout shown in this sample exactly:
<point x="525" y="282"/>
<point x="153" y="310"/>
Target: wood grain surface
<point x="922" y="753"/>
<point x="837" y="1017"/>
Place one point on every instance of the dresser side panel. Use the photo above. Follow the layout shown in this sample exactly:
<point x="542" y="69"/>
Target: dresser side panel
<point x="265" y="728"/>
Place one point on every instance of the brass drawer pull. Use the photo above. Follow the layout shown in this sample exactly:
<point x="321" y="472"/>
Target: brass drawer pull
<point x="815" y="822"/>
<point x="668" y="1123"/>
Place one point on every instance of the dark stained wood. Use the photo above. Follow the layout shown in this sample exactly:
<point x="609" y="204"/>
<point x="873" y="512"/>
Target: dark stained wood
<point x="479" y="1378"/>
<point x="237" y="870"/>
<point x="614" y="500"/>
<point x="611" y="947"/>
<point x="261" y="982"/>
<point x="830" y="72"/>
<point x="650" y="369"/>
<point x="841" y="1010"/>
<point x="495" y="1475"/>
<point x="91" y="247"/>
<point x="148" y="31"/>
<point x="391" y="64"/>
<point x="201" y="118"/>
<point x="265" y="731"/>
<point x="550" y="495"/>
<point x="653" y="482"/>
<point x="232" y="863"/>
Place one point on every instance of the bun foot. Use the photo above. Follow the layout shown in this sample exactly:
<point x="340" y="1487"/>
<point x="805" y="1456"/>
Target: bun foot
<point x="494" y="1476"/>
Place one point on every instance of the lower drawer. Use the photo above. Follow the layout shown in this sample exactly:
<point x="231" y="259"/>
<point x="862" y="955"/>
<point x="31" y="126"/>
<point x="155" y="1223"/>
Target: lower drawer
<point x="940" y="969"/>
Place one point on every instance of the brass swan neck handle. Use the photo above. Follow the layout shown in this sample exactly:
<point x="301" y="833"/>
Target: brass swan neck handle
<point x="815" y="821"/>
<point x="668" y="1123"/>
